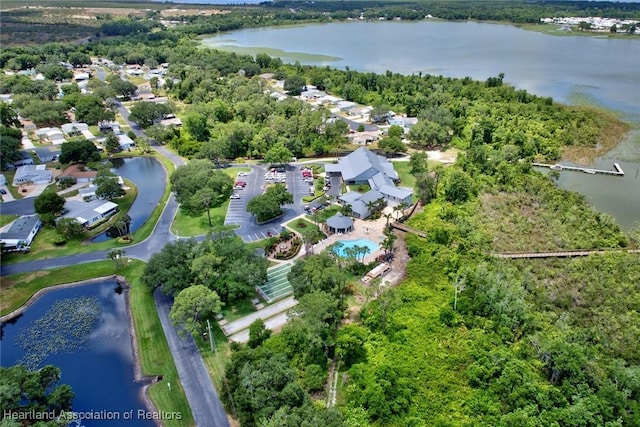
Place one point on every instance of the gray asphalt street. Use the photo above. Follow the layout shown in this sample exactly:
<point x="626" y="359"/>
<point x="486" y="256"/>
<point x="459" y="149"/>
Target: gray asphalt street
<point x="201" y="394"/>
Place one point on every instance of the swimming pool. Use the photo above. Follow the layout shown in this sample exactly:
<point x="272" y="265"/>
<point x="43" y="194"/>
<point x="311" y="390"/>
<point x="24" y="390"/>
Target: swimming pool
<point x="348" y="244"/>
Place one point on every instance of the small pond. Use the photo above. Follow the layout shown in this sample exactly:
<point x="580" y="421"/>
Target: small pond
<point x="149" y="176"/>
<point x="84" y="331"/>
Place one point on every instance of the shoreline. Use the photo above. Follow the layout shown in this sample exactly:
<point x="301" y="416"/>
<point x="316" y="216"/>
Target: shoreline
<point x="139" y="377"/>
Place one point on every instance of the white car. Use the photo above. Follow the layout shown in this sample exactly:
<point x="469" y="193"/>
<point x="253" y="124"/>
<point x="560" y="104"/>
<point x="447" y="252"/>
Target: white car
<point x="235" y="196"/>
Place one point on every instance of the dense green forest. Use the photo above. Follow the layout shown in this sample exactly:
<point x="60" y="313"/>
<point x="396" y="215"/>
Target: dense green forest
<point x="466" y="339"/>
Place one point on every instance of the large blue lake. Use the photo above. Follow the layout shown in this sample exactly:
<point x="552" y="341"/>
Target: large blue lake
<point x="99" y="366"/>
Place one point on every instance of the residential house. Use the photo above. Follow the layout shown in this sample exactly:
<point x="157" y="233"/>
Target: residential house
<point x="345" y="106"/>
<point x="20" y="233"/>
<point x="171" y="120"/>
<point x="363" y="138"/>
<point x="74" y="129"/>
<point x="278" y="96"/>
<point x="24" y="160"/>
<point x="89" y="213"/>
<point x="77" y="173"/>
<point x="32" y="174"/>
<point x="88" y="193"/>
<point x="106" y="127"/>
<point x="404" y="122"/>
<point x="47" y="154"/>
<point x="51" y="135"/>
<point x="126" y="143"/>
<point x="366" y="167"/>
<point x="330" y="99"/>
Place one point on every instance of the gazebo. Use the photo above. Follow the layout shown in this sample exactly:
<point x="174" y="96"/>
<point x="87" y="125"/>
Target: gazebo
<point x="339" y="224"/>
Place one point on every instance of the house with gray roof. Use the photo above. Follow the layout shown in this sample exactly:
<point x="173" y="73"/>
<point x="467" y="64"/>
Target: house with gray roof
<point x="89" y="213"/>
<point x="47" y="154"/>
<point x="34" y="174"/>
<point x="19" y="235"/>
<point x="363" y="166"/>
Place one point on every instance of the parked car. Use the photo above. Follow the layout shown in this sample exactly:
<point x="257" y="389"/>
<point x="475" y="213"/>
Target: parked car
<point x="238" y="187"/>
<point x="235" y="196"/>
<point x="241" y="184"/>
<point x="3" y="191"/>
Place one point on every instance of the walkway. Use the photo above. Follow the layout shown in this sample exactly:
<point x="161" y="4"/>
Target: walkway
<point x="402" y="227"/>
<point x="561" y="254"/>
<point x="201" y="394"/>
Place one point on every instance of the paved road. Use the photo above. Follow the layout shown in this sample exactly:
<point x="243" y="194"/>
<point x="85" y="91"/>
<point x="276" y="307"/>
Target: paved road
<point x="201" y="394"/>
<point x="18" y="207"/>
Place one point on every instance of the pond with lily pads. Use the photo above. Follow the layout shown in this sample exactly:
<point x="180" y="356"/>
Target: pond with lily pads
<point x="85" y="331"/>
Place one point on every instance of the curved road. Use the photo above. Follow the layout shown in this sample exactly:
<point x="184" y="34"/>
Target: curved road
<point x="201" y="394"/>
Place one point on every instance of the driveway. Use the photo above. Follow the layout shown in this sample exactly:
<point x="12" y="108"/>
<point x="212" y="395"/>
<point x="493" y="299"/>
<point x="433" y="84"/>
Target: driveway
<point x="7" y="196"/>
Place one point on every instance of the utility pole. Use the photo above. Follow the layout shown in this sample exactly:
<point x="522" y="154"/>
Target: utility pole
<point x="210" y="335"/>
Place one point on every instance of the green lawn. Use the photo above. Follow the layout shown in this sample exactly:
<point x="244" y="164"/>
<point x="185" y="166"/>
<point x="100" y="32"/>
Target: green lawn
<point x="187" y="226"/>
<point x="238" y="310"/>
<point x="403" y="170"/>
<point x="155" y="358"/>
<point x="301" y="225"/>
<point x="6" y="219"/>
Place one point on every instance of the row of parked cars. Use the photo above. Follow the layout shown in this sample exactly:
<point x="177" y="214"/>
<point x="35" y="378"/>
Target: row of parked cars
<point x="238" y="185"/>
<point x="276" y="175"/>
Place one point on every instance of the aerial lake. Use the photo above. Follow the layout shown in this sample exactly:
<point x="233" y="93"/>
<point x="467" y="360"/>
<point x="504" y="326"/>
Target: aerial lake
<point x="591" y="70"/>
<point x="84" y="331"/>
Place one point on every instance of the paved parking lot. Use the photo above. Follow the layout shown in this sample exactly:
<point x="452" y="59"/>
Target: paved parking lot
<point x="237" y="213"/>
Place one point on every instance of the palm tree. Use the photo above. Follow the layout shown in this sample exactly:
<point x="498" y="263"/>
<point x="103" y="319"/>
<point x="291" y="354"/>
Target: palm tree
<point x="352" y="252"/>
<point x="364" y="251"/>
<point x="388" y="217"/>
<point x="347" y="210"/>
<point x="370" y="206"/>
<point x="116" y="255"/>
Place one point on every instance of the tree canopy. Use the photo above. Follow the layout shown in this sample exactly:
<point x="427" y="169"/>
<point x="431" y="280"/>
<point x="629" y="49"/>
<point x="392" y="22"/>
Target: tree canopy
<point x="268" y="205"/>
<point x="30" y="393"/>
<point x="189" y="180"/>
<point x="192" y="306"/>
<point x="79" y="151"/>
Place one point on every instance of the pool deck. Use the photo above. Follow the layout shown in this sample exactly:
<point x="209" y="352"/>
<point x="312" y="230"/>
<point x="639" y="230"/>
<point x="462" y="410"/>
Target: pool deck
<point x="369" y="229"/>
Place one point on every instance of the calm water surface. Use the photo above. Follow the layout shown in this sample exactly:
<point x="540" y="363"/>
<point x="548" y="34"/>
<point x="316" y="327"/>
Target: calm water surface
<point x="101" y="372"/>
<point x="596" y="70"/>
<point x="150" y="177"/>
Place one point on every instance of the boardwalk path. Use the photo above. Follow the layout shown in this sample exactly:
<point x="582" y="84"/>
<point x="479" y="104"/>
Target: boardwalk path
<point x="562" y="254"/>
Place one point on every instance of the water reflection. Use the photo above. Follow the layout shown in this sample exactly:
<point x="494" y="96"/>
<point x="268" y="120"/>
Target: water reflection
<point x="102" y="373"/>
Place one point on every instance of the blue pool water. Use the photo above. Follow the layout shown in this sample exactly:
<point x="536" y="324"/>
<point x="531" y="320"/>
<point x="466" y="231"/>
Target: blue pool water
<point x="346" y="244"/>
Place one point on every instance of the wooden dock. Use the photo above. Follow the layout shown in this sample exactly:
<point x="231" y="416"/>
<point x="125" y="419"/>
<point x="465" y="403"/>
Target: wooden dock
<point x="558" y="167"/>
<point x="562" y="254"/>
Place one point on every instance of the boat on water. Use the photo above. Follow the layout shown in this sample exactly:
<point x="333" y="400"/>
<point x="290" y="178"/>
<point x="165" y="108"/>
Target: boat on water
<point x="556" y="167"/>
<point x="590" y="171"/>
